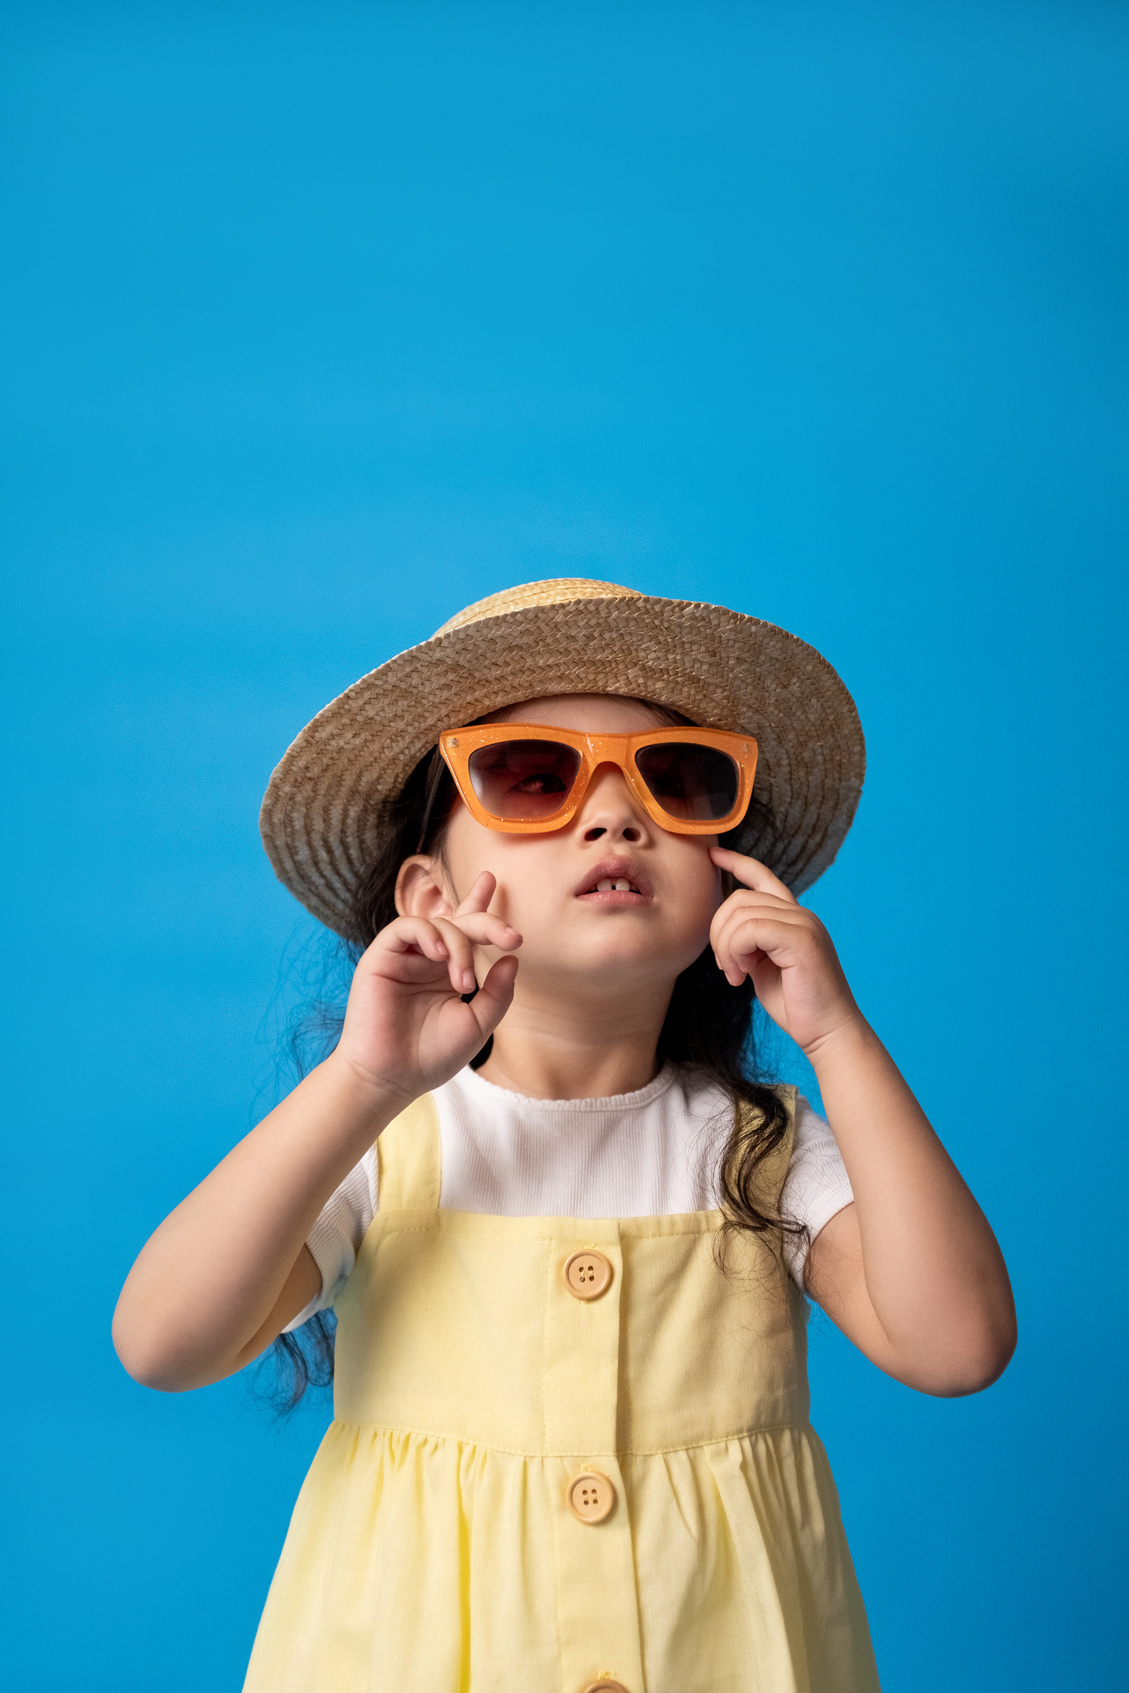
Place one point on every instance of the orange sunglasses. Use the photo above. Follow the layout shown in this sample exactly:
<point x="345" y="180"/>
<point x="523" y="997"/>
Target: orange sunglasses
<point x="525" y="778"/>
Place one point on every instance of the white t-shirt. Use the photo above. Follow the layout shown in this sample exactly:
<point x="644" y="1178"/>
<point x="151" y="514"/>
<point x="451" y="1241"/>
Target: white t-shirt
<point x="651" y="1153"/>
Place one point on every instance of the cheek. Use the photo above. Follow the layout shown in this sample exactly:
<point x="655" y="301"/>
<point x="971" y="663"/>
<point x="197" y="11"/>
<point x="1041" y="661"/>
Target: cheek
<point x="469" y="848"/>
<point x="701" y="881"/>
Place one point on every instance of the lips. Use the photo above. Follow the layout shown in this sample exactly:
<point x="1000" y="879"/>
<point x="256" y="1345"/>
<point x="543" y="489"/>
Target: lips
<point x="615" y="881"/>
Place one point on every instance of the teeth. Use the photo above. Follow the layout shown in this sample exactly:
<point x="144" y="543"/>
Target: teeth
<point x="607" y="886"/>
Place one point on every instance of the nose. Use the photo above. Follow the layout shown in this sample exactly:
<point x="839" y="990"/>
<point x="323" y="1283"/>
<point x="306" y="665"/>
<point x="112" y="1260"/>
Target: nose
<point x="611" y="812"/>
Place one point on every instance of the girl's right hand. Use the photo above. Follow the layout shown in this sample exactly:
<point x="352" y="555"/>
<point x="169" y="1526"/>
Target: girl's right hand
<point x="228" y="1268"/>
<point x="407" y="1028"/>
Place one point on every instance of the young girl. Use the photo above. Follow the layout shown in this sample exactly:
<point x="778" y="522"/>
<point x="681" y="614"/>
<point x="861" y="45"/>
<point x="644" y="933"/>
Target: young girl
<point x="566" y="1235"/>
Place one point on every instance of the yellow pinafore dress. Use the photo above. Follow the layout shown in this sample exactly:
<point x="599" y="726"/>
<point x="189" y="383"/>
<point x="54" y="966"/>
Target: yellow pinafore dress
<point x="567" y="1454"/>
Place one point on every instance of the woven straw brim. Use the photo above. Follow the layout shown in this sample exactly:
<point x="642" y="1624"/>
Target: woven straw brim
<point x="325" y="808"/>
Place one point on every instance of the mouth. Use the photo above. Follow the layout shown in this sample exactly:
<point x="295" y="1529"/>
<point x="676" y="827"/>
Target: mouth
<point x="615" y="882"/>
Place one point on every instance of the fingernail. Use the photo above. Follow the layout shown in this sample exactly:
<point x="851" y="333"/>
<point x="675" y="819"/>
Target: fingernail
<point x="469" y="983"/>
<point x="441" y="949"/>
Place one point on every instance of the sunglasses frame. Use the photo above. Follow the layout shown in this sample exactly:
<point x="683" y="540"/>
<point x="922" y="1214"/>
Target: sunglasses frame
<point x="457" y="745"/>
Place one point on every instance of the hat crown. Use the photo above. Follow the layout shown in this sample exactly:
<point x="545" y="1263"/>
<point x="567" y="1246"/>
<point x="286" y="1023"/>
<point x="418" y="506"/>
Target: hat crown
<point x="559" y="590"/>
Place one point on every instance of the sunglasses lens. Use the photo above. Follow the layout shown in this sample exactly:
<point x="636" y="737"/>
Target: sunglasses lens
<point x="523" y="781"/>
<point x="694" y="783"/>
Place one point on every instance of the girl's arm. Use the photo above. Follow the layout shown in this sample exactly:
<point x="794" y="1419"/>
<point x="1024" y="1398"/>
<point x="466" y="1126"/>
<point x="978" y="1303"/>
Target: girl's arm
<point x="911" y="1272"/>
<point x="229" y="1268"/>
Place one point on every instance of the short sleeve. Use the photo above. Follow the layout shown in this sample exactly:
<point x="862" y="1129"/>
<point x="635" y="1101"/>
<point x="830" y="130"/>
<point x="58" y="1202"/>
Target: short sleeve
<point x="338" y="1231"/>
<point x="816" y="1187"/>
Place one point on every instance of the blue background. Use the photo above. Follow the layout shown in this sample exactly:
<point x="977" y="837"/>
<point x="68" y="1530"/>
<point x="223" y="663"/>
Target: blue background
<point x="326" y="320"/>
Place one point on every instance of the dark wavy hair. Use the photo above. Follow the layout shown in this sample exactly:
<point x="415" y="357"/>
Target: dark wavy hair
<point x="708" y="1027"/>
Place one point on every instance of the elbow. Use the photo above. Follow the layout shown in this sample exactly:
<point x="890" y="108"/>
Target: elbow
<point x="142" y="1340"/>
<point x="158" y="1355"/>
<point x="973" y="1376"/>
<point x="143" y="1358"/>
<point x="152" y="1357"/>
<point x="145" y="1365"/>
<point x="974" y="1364"/>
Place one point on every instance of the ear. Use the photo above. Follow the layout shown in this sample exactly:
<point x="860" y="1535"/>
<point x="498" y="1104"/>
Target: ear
<point x="421" y="888"/>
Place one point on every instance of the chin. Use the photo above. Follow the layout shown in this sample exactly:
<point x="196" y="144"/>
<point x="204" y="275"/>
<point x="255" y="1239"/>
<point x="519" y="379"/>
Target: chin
<point x="628" y="959"/>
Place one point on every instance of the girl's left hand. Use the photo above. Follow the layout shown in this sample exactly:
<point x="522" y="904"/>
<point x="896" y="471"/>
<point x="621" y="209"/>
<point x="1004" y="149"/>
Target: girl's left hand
<point x="761" y="931"/>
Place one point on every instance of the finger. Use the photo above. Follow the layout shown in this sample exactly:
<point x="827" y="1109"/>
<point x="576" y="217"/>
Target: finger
<point x="743" y="905"/>
<point x="751" y="873"/>
<point x="492" y="1000"/>
<point x="741" y="932"/>
<point x="460" y="955"/>
<point x="747" y="899"/>
<point x="480" y="895"/>
<point x="411" y="934"/>
<point x="485" y="930"/>
<point x="463" y="934"/>
<point x="763" y="930"/>
<point x="745" y="937"/>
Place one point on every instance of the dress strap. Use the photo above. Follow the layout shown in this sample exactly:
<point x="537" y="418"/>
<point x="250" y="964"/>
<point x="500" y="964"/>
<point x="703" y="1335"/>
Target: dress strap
<point x="409" y="1159"/>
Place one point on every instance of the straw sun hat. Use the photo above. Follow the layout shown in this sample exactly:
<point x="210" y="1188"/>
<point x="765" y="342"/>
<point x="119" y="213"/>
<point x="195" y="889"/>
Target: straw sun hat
<point x="325" y="806"/>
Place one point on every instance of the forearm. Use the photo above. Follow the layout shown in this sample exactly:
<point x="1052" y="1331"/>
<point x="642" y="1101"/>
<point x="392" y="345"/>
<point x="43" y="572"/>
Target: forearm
<point x="928" y="1295"/>
<point x="209" y="1278"/>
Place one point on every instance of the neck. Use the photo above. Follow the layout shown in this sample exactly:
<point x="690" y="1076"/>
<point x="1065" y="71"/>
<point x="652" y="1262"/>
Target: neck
<point x="552" y="1051"/>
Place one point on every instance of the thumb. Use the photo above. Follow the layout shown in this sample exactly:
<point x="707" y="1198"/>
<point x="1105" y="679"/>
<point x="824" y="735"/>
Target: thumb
<point x="494" y="997"/>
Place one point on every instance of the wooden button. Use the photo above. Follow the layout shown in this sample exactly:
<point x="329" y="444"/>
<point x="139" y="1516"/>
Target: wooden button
<point x="590" y="1496"/>
<point x="587" y="1274"/>
<point x="605" y="1686"/>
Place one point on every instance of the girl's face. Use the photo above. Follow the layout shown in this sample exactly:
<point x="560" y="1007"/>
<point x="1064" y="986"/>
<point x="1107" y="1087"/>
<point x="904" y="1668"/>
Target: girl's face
<point x="556" y="888"/>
